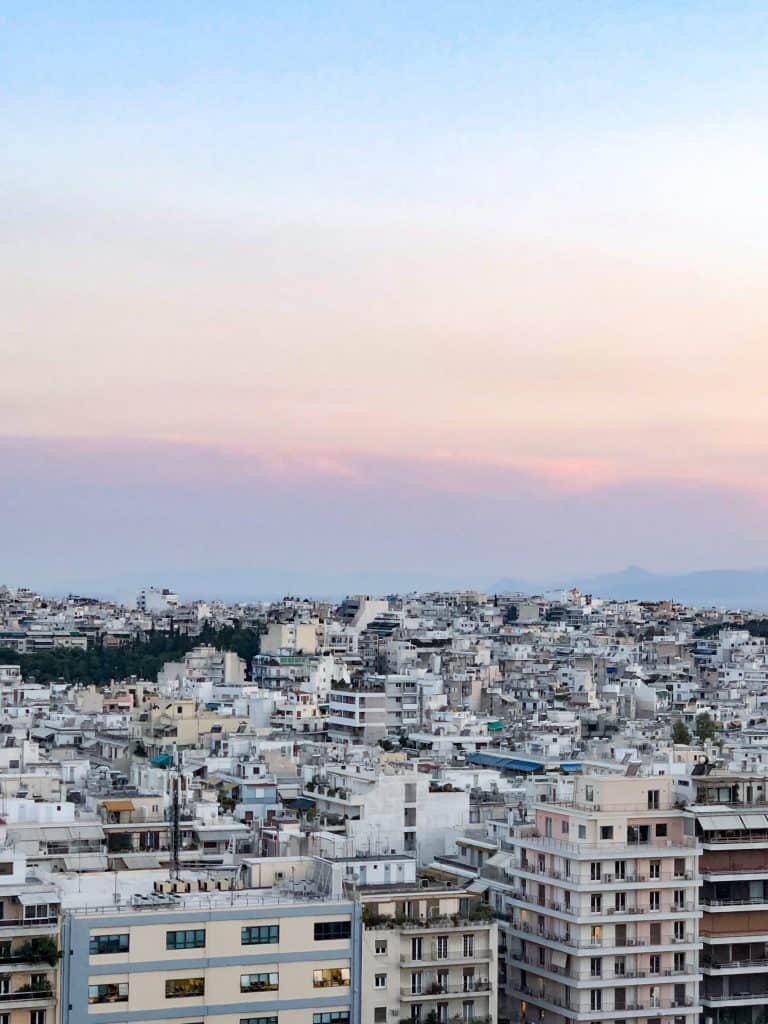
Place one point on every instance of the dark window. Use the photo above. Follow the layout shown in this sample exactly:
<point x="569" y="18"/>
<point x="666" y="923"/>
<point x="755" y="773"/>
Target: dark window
<point x="327" y="930"/>
<point x="661" y="830"/>
<point x="108" y="993"/>
<point x="258" y="1020"/>
<point x="260" y="935"/>
<point x="606" y="831"/>
<point x="267" y="981"/>
<point x="190" y="938"/>
<point x="101" y="944"/>
<point x="184" y="988"/>
<point x="332" y="1017"/>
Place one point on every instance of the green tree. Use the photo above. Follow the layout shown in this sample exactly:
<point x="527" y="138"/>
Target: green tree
<point x="706" y="729"/>
<point x="680" y="732"/>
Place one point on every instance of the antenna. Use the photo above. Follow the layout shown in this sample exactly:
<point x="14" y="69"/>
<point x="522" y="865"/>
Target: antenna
<point x="175" y="818"/>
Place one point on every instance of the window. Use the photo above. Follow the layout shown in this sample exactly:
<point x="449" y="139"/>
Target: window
<point x="184" y="988"/>
<point x="679" y="869"/>
<point x="589" y="794"/>
<point x="661" y="830"/>
<point x="330" y="977"/>
<point x="259" y="1020"/>
<point x="441" y="947"/>
<point x="619" y="966"/>
<point x="380" y="948"/>
<point x="654" y="869"/>
<point x="654" y="899"/>
<point x="596" y="904"/>
<point x="620" y="869"/>
<point x="108" y="993"/>
<point x="102" y="944"/>
<point x="564" y="827"/>
<point x="468" y="946"/>
<point x="619" y="999"/>
<point x="653" y="799"/>
<point x="582" y="831"/>
<point x="595" y="999"/>
<point x="596" y="934"/>
<point x="35" y="1017"/>
<point x="606" y="831"/>
<point x="679" y="963"/>
<point x="654" y="964"/>
<point x="190" y="938"/>
<point x="620" y="902"/>
<point x="379" y="981"/>
<point x="594" y="871"/>
<point x="638" y="833"/>
<point x="379" y="1015"/>
<point x="595" y="967"/>
<point x="332" y="1017"/>
<point x="548" y="827"/>
<point x="679" y="931"/>
<point x="678" y="898"/>
<point x="267" y="981"/>
<point x="327" y="930"/>
<point x="260" y="935"/>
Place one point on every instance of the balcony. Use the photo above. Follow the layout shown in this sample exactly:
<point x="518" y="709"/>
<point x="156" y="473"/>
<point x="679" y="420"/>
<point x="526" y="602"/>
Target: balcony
<point x="631" y="944"/>
<point x="735" y="965"/>
<point x="27" y="997"/>
<point x="429" y="956"/>
<point x="29" y="925"/>
<point x="451" y="991"/>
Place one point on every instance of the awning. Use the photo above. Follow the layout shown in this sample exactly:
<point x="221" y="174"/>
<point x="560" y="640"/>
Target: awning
<point x="479" y="885"/>
<point x="118" y="805"/>
<point x="754" y="820"/>
<point x="35" y="899"/>
<point x="140" y="861"/>
<point x="559" y="959"/>
<point x="85" y="862"/>
<point x="721" y="823"/>
<point x="570" y="766"/>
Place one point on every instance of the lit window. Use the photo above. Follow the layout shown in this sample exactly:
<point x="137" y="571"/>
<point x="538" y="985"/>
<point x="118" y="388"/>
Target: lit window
<point x="184" y="988"/>
<point x="108" y="993"/>
<point x="330" y="977"/>
<point x="268" y="981"/>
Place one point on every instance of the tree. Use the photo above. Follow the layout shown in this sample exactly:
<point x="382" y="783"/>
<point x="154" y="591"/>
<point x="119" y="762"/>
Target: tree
<point x="680" y="732"/>
<point x="706" y="729"/>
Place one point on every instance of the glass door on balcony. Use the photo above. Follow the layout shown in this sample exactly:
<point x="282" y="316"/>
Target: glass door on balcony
<point x="416" y="983"/>
<point x="416" y="949"/>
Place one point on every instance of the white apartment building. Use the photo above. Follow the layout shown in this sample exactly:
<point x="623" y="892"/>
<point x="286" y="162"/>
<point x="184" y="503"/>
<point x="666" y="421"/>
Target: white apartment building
<point x="600" y="902"/>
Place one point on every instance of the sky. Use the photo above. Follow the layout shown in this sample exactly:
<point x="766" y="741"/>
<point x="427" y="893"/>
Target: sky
<point x="456" y="290"/>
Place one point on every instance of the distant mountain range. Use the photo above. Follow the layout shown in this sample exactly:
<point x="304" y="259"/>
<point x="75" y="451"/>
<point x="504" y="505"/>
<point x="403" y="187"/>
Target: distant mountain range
<point x="730" y="588"/>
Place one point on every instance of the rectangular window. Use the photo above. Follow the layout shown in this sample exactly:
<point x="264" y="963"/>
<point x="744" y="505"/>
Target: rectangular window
<point x="653" y="799"/>
<point x="661" y="830"/>
<point x="35" y="1017"/>
<point x="564" y="827"/>
<point x="595" y="967"/>
<point x="619" y="966"/>
<point x="582" y="831"/>
<point x="468" y="945"/>
<point x="267" y="981"/>
<point x="259" y="1020"/>
<point x="620" y="869"/>
<point x="594" y="871"/>
<point x="103" y="944"/>
<point x="108" y="993"/>
<point x="679" y="927"/>
<point x="332" y="1017"/>
<point x="620" y="901"/>
<point x="655" y="900"/>
<point x="441" y="947"/>
<point x="679" y="867"/>
<point x="379" y="1015"/>
<point x="260" y="935"/>
<point x="380" y="949"/>
<point x="654" y="869"/>
<point x="189" y="938"/>
<point x="595" y="999"/>
<point x="325" y="931"/>
<point x="654" y="964"/>
<point x="379" y="981"/>
<point x="606" y="831"/>
<point x="596" y="904"/>
<point x="679" y="967"/>
<point x="678" y="898"/>
<point x="330" y="977"/>
<point x="184" y="988"/>
<point x="589" y="794"/>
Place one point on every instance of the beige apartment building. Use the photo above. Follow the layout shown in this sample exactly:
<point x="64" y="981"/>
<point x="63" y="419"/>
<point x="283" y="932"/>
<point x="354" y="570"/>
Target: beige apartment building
<point x="600" y="896"/>
<point x="245" y="957"/>
<point x="428" y="955"/>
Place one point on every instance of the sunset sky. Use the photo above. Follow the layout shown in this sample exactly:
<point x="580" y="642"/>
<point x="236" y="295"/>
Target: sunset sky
<point x="460" y="288"/>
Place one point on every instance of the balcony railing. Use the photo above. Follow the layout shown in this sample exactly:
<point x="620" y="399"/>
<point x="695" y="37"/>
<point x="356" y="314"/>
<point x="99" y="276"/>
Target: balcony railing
<point x="727" y="965"/>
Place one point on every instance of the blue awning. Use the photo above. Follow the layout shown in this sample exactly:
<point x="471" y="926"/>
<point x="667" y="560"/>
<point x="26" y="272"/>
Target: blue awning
<point x="161" y="760"/>
<point x="570" y="766"/>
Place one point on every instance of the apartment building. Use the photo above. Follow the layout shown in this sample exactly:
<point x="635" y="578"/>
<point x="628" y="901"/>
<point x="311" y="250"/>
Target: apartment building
<point x="428" y="956"/>
<point x="240" y="958"/>
<point x="29" y="926"/>
<point x="601" y="898"/>
<point x="731" y="815"/>
<point x="357" y="713"/>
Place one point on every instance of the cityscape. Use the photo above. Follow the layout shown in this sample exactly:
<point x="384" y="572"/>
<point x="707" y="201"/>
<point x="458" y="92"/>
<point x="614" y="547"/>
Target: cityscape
<point x="441" y="807"/>
<point x="383" y="504"/>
